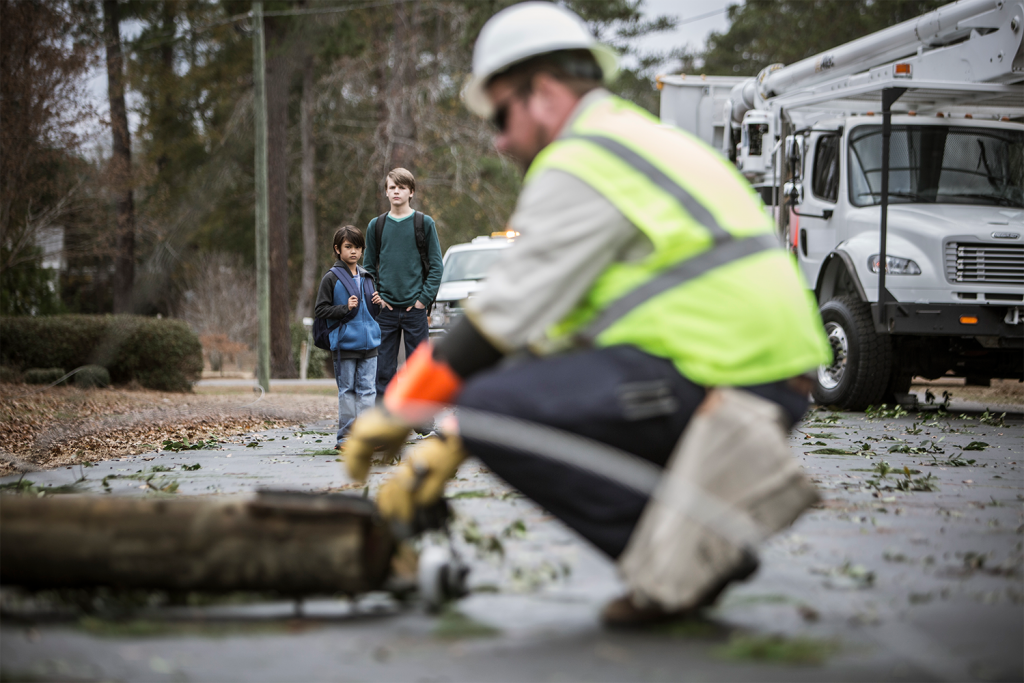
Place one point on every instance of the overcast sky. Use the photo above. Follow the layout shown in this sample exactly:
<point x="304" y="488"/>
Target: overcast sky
<point x="696" y="18"/>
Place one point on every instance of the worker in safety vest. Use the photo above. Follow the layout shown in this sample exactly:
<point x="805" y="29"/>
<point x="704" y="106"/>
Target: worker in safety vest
<point x="636" y="357"/>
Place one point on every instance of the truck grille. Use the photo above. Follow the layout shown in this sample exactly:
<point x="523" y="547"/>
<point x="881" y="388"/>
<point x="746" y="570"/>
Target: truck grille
<point x="996" y="264"/>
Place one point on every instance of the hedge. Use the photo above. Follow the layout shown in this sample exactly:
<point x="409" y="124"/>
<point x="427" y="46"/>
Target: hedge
<point x="43" y="375"/>
<point x="92" y="377"/>
<point x="162" y="354"/>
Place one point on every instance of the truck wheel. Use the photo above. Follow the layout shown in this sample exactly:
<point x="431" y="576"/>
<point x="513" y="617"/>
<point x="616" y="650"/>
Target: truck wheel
<point x="862" y="360"/>
<point x="899" y="383"/>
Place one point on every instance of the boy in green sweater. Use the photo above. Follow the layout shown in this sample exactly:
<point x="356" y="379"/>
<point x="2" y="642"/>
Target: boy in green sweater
<point x="406" y="287"/>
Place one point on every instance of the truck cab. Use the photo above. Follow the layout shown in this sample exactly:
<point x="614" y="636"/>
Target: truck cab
<point x="954" y="248"/>
<point x="894" y="166"/>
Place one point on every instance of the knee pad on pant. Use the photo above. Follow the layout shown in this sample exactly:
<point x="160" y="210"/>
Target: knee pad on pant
<point x="730" y="482"/>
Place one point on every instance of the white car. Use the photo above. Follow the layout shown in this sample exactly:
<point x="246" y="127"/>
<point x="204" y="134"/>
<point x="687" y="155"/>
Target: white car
<point x="465" y="267"/>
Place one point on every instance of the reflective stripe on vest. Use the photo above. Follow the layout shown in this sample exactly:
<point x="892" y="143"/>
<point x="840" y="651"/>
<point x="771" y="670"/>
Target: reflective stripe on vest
<point x="727" y="252"/>
<point x="660" y="179"/>
<point x="726" y="247"/>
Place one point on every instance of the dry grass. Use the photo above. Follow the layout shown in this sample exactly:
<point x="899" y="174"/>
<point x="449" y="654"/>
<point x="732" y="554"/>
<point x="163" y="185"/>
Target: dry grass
<point x="64" y="425"/>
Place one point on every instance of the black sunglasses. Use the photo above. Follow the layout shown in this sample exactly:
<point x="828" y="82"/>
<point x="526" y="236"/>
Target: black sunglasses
<point x="499" y="119"/>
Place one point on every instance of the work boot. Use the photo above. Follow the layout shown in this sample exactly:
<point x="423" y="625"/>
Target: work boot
<point x="629" y="611"/>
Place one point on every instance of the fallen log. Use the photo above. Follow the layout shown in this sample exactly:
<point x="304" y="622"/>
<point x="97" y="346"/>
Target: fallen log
<point x="290" y="543"/>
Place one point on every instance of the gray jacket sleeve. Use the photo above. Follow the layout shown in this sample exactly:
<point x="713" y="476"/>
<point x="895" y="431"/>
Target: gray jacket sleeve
<point x="569" y="234"/>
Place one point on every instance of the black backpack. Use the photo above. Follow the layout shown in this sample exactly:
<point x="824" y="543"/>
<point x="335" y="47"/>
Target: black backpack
<point x="421" y="244"/>
<point x="322" y="326"/>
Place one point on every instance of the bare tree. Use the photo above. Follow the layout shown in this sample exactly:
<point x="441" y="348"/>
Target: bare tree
<point x="279" y="70"/>
<point x="304" y="306"/>
<point x="396" y="102"/>
<point x="42" y="104"/>
<point x="121" y="162"/>
<point x="399" y="97"/>
<point x="396" y="135"/>
<point x="218" y="297"/>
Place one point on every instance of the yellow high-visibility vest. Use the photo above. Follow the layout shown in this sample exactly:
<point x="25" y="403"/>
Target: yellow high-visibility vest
<point x="718" y="296"/>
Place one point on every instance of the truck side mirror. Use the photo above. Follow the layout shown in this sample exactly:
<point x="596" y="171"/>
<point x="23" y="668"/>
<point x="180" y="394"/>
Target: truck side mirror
<point x="794" y="192"/>
<point x="795" y="155"/>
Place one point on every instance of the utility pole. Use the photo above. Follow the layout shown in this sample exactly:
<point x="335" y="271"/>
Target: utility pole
<point x="262" y="207"/>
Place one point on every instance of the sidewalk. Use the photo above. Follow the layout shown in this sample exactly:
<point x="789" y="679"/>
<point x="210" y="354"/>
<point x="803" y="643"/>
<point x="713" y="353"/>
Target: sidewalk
<point x="232" y="382"/>
<point x="876" y="583"/>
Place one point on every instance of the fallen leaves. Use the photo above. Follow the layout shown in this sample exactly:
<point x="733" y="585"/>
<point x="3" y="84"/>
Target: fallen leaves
<point x="67" y="425"/>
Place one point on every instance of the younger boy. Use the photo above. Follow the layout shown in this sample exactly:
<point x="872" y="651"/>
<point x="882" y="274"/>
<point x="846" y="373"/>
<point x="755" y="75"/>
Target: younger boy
<point x="347" y="295"/>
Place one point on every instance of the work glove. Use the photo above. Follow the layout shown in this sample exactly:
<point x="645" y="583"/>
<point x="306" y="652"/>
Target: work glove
<point x="374" y="430"/>
<point x="413" y="397"/>
<point x="419" y="481"/>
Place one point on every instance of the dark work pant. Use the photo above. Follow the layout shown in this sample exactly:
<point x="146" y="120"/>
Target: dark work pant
<point x="392" y="324"/>
<point x="620" y="396"/>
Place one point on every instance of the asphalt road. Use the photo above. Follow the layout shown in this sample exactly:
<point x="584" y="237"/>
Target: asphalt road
<point x="876" y="583"/>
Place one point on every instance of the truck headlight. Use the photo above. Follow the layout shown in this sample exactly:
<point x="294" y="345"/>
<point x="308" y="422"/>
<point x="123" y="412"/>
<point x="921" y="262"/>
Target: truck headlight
<point x="439" y="316"/>
<point x="894" y="265"/>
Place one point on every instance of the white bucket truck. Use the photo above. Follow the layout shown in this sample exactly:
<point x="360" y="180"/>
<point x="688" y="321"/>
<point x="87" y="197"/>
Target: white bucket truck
<point x="906" y="148"/>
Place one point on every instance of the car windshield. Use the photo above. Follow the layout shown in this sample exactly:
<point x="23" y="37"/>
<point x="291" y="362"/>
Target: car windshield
<point x="469" y="265"/>
<point x="939" y="165"/>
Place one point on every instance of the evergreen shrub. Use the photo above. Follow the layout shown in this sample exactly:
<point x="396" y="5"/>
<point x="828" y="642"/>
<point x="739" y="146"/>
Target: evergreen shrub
<point x="43" y="375"/>
<point x="92" y="377"/>
<point x="9" y="375"/>
<point x="162" y="354"/>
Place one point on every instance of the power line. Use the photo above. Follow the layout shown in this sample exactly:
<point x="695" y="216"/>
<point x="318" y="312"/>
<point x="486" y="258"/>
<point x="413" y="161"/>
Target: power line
<point x="157" y="42"/>
<point x="690" y="20"/>
<point x="332" y="10"/>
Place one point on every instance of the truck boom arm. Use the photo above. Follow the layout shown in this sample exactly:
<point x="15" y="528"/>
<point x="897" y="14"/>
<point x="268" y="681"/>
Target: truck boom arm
<point x="941" y="27"/>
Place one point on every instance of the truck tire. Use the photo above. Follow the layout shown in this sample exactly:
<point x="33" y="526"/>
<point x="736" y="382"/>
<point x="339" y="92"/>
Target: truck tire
<point x="899" y="383"/>
<point x="862" y="359"/>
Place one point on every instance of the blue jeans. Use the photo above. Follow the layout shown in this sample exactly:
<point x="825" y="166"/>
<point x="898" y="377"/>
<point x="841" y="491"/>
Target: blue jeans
<point x="392" y="323"/>
<point x="356" y="389"/>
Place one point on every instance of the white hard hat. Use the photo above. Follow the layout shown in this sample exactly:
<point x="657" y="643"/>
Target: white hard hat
<point x="526" y="30"/>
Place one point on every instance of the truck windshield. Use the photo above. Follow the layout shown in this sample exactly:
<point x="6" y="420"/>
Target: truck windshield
<point x="469" y="265"/>
<point x="939" y="165"/>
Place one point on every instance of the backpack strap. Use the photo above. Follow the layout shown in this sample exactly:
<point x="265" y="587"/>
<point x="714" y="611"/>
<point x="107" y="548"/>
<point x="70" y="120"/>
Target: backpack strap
<point x="337" y="274"/>
<point x="421" y="242"/>
<point x="378" y="230"/>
